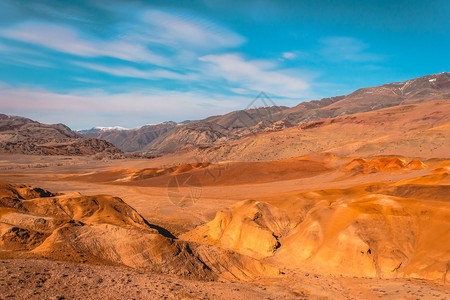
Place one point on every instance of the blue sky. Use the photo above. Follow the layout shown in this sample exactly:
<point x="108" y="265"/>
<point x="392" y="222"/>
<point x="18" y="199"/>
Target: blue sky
<point x="129" y="63"/>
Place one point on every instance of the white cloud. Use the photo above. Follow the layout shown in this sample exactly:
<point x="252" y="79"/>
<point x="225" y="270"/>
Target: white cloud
<point x="337" y="49"/>
<point x="239" y="91"/>
<point x="182" y="38"/>
<point x="88" y="80"/>
<point x="9" y="49"/>
<point x="173" y="37"/>
<point x="65" y="39"/>
<point x="22" y="57"/>
<point x="124" y="71"/>
<point x="256" y="75"/>
<point x="289" y="55"/>
<point x="26" y="62"/>
<point x="184" y="31"/>
<point x="5" y="48"/>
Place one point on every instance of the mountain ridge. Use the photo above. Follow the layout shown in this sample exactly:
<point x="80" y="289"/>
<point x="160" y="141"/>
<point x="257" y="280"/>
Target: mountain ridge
<point x="169" y="137"/>
<point x="222" y="129"/>
<point x="26" y="136"/>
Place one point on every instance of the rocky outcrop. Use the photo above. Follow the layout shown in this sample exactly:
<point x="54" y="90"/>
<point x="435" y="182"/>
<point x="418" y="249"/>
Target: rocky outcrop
<point x="78" y="146"/>
<point x="250" y="227"/>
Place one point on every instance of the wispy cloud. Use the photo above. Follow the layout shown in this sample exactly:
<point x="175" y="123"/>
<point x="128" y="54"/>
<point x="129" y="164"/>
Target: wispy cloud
<point x="26" y="62"/>
<point x="61" y="11"/>
<point x="256" y="75"/>
<point x="338" y="49"/>
<point x="174" y="50"/>
<point x="65" y="39"/>
<point x="149" y="29"/>
<point x="125" y="71"/>
<point x="189" y="31"/>
<point x="149" y="36"/>
<point x="13" y="55"/>
<point x="289" y="55"/>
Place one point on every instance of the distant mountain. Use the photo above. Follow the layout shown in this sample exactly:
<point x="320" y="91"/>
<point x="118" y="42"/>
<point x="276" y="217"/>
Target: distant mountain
<point x="169" y="137"/>
<point x="219" y="130"/>
<point x="94" y="131"/>
<point x="216" y="129"/>
<point x="413" y="130"/>
<point x="422" y="89"/>
<point x="25" y="136"/>
<point x="131" y="140"/>
<point x="14" y="128"/>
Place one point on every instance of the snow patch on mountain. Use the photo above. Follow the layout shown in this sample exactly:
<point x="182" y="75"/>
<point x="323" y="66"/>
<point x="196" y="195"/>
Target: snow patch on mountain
<point x="116" y="128"/>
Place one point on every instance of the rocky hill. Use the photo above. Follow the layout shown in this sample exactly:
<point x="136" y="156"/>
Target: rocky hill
<point x="170" y="137"/>
<point x="131" y="140"/>
<point x="415" y="130"/>
<point x="216" y="129"/>
<point x="422" y="89"/>
<point x="20" y="135"/>
<point x="97" y="131"/>
<point x="220" y="130"/>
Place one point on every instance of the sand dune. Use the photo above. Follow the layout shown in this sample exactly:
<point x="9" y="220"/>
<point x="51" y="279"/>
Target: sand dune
<point x="382" y="164"/>
<point x="227" y="173"/>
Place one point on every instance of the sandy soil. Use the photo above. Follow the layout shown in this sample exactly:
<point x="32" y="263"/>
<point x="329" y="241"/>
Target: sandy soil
<point x="153" y="202"/>
<point x="45" y="279"/>
<point x="37" y="278"/>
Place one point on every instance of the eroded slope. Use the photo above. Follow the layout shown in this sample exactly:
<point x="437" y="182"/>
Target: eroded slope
<point x="385" y="230"/>
<point x="104" y="229"/>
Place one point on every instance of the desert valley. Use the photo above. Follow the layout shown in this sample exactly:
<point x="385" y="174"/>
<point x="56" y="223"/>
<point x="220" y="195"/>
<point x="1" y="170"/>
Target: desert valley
<point x="340" y="198"/>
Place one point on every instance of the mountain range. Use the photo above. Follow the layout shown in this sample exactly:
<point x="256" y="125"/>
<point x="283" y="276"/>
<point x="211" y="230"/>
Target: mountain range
<point x="169" y="137"/>
<point x="22" y="135"/>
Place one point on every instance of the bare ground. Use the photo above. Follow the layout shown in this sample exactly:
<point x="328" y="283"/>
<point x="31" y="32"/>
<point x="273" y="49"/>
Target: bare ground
<point x="45" y="279"/>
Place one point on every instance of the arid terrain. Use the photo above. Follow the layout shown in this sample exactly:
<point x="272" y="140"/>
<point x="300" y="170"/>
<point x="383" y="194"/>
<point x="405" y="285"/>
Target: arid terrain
<point x="342" y="198"/>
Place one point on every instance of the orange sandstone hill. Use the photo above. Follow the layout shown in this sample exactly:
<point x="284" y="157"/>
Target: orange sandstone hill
<point x="102" y="229"/>
<point x="385" y="230"/>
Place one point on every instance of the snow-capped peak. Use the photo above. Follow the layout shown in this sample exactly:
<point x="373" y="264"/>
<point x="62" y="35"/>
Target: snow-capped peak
<point x="161" y="123"/>
<point x="101" y="129"/>
<point x="115" y="128"/>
